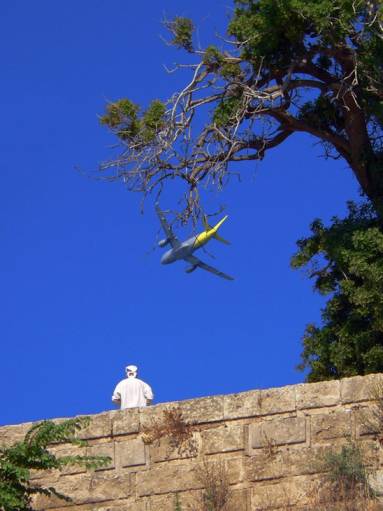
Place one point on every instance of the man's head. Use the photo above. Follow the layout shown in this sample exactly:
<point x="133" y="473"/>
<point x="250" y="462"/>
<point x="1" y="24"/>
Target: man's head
<point x="131" y="371"/>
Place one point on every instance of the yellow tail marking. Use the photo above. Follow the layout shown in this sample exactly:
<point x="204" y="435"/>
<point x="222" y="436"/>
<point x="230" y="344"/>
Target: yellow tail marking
<point x="216" y="227"/>
<point x="209" y="233"/>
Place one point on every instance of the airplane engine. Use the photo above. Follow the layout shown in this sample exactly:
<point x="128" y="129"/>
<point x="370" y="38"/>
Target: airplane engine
<point x="189" y="269"/>
<point x="163" y="243"/>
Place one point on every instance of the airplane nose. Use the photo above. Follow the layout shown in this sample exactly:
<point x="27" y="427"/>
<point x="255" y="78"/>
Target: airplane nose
<point x="168" y="257"/>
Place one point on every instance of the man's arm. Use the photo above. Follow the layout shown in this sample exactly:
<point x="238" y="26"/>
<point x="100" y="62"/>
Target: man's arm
<point x="116" y="398"/>
<point x="148" y="393"/>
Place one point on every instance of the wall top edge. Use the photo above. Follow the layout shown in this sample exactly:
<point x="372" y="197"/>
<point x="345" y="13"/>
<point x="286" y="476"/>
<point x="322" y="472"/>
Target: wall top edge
<point x="231" y="406"/>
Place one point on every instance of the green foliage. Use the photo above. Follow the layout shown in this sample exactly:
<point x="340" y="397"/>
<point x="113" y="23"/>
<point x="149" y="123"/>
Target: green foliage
<point x="32" y="453"/>
<point x="230" y="71"/>
<point x="225" y="113"/>
<point x="177" y="503"/>
<point x="122" y="117"/>
<point x="284" y="67"/>
<point x="213" y="58"/>
<point x="346" y="469"/>
<point x="215" y="61"/>
<point x="345" y="260"/>
<point x="182" y="30"/>
<point x="268" y="28"/>
<point x="278" y="29"/>
<point x="125" y="119"/>
<point x="152" y="120"/>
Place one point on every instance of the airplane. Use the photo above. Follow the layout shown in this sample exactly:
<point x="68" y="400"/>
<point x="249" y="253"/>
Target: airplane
<point x="186" y="249"/>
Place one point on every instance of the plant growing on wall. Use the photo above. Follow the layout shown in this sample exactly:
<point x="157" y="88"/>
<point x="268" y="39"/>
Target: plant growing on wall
<point x="33" y="453"/>
<point x="175" y="428"/>
<point x="177" y="503"/>
<point x="345" y="485"/>
<point x="216" y="493"/>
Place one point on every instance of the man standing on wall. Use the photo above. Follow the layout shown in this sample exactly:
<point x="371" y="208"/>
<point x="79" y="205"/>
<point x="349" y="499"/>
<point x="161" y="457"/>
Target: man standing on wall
<point x="132" y="392"/>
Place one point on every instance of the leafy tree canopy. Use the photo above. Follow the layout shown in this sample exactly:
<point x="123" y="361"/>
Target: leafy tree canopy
<point x="32" y="453"/>
<point x="284" y="66"/>
<point x="345" y="261"/>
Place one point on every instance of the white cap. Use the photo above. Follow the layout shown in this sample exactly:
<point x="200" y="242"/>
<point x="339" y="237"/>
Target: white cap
<point x="131" y="369"/>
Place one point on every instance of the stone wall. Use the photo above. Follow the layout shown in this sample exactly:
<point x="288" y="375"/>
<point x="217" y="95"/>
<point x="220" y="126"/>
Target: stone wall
<point x="268" y="442"/>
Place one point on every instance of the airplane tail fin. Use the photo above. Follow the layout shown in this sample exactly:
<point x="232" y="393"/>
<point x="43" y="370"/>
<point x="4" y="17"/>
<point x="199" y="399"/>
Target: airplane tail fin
<point x="206" y="224"/>
<point x="215" y="228"/>
<point x="222" y="240"/>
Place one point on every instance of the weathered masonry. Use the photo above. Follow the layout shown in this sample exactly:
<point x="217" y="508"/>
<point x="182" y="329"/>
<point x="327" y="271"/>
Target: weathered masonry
<point x="267" y="440"/>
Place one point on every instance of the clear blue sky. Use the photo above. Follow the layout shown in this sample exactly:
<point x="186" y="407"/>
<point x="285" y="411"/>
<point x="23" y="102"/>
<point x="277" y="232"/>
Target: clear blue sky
<point x="82" y="290"/>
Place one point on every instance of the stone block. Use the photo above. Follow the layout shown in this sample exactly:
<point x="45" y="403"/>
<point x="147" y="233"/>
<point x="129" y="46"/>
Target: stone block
<point x="376" y="481"/>
<point x="284" y="493"/>
<point x="109" y="487"/>
<point x="61" y="451"/>
<point x="289" y="430"/>
<point x="166" y="449"/>
<point x="317" y="395"/>
<point x="11" y="434"/>
<point x="260" y="402"/>
<point x="188" y="501"/>
<point x="53" y="475"/>
<point x="193" y="500"/>
<point x="239" y="500"/>
<point x="123" y="505"/>
<point x="366" y="421"/>
<point x="325" y="427"/>
<point x="278" y="400"/>
<point x="243" y="404"/>
<point x="235" y="469"/>
<point x="74" y="486"/>
<point x="99" y="427"/>
<point x="87" y="489"/>
<point x="372" y="453"/>
<point x="103" y="449"/>
<point x="287" y="462"/>
<point x="126" y="422"/>
<point x="225" y="438"/>
<point x="130" y="453"/>
<point x="167" y="478"/>
<point x="154" y="414"/>
<point x="129" y="504"/>
<point x="202" y="410"/>
<point x="360" y="388"/>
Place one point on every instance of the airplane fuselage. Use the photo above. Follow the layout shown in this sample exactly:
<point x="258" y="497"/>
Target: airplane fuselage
<point x="187" y="247"/>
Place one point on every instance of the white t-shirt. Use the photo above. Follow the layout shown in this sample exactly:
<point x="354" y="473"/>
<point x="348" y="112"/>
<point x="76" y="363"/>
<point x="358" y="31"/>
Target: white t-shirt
<point x="132" y="392"/>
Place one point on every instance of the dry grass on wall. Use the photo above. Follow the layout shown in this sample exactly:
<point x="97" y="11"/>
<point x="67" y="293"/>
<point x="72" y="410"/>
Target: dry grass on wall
<point x="175" y="429"/>
<point x="216" y="494"/>
<point x="344" y="485"/>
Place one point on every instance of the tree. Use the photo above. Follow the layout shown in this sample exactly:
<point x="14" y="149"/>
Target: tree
<point x="32" y="453"/>
<point x="345" y="261"/>
<point x="286" y="66"/>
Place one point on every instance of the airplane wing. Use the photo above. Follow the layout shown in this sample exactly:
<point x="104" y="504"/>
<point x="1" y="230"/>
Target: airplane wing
<point x="197" y="262"/>
<point x="173" y="240"/>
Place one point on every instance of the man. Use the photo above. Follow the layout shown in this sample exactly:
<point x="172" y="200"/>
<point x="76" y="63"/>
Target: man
<point x="132" y="392"/>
